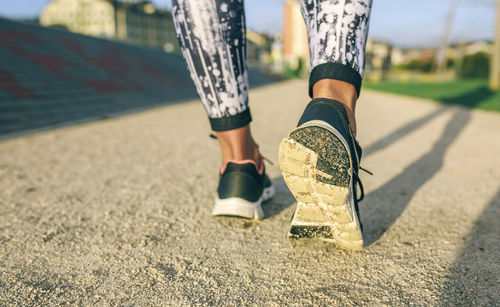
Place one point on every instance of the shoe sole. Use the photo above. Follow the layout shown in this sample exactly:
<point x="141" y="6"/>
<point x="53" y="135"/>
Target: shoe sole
<point x="316" y="166"/>
<point x="239" y="207"/>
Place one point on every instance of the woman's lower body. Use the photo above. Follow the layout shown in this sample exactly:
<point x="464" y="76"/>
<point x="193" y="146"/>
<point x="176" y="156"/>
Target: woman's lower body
<point x="320" y="158"/>
<point x="212" y="36"/>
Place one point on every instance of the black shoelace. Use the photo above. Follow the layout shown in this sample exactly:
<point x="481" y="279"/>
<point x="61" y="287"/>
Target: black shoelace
<point x="356" y="176"/>
<point x="360" y="184"/>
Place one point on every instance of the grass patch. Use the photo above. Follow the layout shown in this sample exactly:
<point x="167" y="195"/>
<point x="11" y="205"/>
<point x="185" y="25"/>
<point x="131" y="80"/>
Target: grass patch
<point x="467" y="93"/>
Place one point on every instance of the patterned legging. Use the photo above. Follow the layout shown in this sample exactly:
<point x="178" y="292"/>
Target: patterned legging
<point x="212" y="36"/>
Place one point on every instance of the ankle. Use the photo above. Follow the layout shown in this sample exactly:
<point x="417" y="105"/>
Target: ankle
<point x="238" y="145"/>
<point x="241" y="155"/>
<point x="341" y="91"/>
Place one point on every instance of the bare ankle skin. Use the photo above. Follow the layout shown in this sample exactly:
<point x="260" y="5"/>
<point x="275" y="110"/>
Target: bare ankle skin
<point x="339" y="90"/>
<point x="237" y="144"/>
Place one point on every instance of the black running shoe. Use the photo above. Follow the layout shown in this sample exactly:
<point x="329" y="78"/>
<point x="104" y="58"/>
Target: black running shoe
<point x="242" y="189"/>
<point x="320" y="164"/>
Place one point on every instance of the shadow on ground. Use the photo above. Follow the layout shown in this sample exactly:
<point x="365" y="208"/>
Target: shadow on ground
<point x="470" y="99"/>
<point x="383" y="206"/>
<point x="107" y="107"/>
<point x="51" y="78"/>
<point x="281" y="201"/>
<point x="402" y="132"/>
<point x="473" y="277"/>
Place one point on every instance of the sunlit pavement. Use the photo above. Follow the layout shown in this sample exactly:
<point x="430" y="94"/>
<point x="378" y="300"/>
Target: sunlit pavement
<point x="118" y="212"/>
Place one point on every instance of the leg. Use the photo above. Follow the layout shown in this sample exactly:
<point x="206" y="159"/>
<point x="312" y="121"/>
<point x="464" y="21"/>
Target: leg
<point x="341" y="91"/>
<point x="320" y="158"/>
<point x="212" y="37"/>
<point x="337" y="31"/>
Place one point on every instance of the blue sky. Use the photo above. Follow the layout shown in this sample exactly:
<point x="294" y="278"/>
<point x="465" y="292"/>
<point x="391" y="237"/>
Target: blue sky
<point x="402" y="22"/>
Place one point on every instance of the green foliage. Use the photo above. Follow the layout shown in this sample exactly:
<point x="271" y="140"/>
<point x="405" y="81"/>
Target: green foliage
<point x="468" y="93"/>
<point x="419" y="65"/>
<point x="450" y="63"/>
<point x="295" y="72"/>
<point x="476" y="66"/>
<point x="290" y="73"/>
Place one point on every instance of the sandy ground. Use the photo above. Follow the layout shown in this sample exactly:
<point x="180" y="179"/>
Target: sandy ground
<point x="117" y="212"/>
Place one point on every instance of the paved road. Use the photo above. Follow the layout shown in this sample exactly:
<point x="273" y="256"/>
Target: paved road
<point x="118" y="212"/>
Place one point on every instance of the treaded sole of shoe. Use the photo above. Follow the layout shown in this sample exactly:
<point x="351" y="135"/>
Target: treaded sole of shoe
<point x="316" y="167"/>
<point x="238" y="207"/>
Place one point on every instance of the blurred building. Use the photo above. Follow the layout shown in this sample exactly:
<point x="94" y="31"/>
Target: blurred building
<point x="377" y="56"/>
<point x="457" y="51"/>
<point x="420" y="54"/>
<point x="397" y="56"/>
<point x="137" y="22"/>
<point x="294" y="41"/>
<point x="258" y="47"/>
<point x="276" y="54"/>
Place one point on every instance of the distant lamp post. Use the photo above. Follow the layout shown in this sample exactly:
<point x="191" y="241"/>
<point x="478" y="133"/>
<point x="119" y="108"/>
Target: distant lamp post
<point x="441" y="54"/>
<point x="495" y="56"/>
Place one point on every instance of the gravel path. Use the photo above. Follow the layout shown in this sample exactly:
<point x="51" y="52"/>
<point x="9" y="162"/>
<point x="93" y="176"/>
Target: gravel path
<point x="117" y="212"/>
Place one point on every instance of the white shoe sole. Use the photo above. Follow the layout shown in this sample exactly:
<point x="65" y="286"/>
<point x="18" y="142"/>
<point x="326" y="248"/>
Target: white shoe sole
<point x="239" y="207"/>
<point x="324" y="211"/>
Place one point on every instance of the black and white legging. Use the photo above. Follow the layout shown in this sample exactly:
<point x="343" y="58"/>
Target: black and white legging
<point x="212" y="36"/>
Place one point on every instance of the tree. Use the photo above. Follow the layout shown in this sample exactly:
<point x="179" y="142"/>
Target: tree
<point x="476" y="66"/>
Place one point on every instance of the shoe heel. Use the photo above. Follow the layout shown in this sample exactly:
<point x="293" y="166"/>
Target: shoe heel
<point x="323" y="211"/>
<point x="238" y="207"/>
